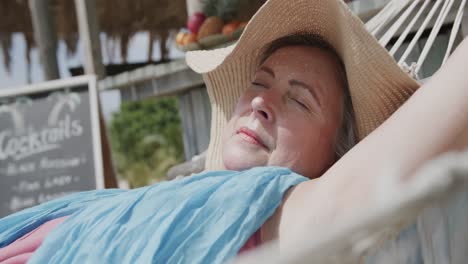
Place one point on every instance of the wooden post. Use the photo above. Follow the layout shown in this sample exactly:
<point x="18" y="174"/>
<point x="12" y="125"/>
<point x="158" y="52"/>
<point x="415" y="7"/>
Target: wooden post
<point x="45" y="37"/>
<point x="89" y="36"/>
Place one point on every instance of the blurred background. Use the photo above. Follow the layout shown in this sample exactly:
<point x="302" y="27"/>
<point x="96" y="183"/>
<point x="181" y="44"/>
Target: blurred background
<point x="145" y="116"/>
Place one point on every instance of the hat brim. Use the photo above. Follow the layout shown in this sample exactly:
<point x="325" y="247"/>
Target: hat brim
<point x="378" y="86"/>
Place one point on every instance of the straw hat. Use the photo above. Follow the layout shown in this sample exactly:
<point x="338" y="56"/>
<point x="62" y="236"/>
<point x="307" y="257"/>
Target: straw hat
<point x="377" y="84"/>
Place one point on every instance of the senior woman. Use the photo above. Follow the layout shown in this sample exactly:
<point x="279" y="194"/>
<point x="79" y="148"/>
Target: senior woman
<point x="289" y="99"/>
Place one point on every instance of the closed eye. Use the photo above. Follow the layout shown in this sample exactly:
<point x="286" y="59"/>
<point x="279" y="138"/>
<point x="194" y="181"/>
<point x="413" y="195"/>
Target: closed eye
<point x="258" y="84"/>
<point x="301" y="104"/>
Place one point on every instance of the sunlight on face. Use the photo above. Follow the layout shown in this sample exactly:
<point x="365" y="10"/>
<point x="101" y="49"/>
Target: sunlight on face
<point x="290" y="114"/>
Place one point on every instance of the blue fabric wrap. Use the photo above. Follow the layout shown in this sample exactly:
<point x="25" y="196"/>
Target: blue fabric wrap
<point x="205" y="218"/>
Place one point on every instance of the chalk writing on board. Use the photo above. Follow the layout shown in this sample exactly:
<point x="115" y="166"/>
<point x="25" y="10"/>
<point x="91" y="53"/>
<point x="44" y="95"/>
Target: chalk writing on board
<point x="34" y="142"/>
<point x="46" y="146"/>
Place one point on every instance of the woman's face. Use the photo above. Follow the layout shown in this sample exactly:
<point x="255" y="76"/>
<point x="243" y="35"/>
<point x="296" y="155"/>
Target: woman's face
<point x="290" y="114"/>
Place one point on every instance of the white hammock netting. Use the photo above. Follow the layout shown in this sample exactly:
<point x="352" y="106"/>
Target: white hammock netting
<point x="399" y="18"/>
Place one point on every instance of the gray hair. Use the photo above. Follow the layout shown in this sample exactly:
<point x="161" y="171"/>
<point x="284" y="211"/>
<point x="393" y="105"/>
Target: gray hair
<point x="346" y="136"/>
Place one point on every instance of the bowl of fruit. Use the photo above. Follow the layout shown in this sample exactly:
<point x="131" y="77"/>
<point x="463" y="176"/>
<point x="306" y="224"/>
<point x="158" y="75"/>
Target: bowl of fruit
<point x="214" y="26"/>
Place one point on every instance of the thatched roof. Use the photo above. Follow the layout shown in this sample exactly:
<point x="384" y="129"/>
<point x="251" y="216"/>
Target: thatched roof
<point x="119" y="19"/>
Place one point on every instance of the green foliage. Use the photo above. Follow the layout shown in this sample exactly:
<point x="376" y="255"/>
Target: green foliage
<point x="146" y="140"/>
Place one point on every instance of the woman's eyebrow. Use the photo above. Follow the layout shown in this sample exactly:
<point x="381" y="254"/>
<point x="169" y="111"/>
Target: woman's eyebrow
<point x="267" y="70"/>
<point x="307" y="87"/>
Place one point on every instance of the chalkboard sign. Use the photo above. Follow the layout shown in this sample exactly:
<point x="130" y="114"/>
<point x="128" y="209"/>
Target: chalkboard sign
<point x="49" y="142"/>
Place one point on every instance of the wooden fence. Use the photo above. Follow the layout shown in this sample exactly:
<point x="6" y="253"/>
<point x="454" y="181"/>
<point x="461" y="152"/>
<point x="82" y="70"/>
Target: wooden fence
<point x="176" y="79"/>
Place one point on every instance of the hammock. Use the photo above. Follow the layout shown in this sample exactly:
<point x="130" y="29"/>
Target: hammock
<point x="404" y="16"/>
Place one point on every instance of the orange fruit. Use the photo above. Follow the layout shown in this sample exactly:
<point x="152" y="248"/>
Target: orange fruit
<point x="180" y="38"/>
<point x="189" y="38"/>
<point x="230" y="27"/>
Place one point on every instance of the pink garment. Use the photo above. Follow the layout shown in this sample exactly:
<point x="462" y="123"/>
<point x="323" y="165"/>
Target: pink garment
<point x="254" y="241"/>
<point x="22" y="249"/>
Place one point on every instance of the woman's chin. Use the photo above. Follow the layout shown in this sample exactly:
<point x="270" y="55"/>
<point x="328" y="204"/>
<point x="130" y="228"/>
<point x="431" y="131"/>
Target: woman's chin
<point x="239" y="158"/>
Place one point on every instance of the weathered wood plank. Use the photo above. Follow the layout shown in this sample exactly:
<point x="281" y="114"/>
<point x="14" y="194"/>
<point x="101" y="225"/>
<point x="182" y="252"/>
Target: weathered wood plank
<point x="202" y="119"/>
<point x="45" y="37"/>
<point x="186" y="117"/>
<point x="195" y="115"/>
<point x="154" y="81"/>
<point x="89" y="35"/>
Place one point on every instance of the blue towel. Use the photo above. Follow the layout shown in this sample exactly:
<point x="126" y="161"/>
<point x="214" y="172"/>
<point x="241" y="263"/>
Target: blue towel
<point x="205" y="218"/>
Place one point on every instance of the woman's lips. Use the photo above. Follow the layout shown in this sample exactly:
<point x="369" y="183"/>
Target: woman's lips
<point x="250" y="136"/>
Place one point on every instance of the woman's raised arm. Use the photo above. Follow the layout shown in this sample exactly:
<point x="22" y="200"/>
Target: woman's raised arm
<point x="428" y="124"/>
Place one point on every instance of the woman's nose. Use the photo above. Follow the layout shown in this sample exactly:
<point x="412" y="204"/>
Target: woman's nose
<point x="261" y="109"/>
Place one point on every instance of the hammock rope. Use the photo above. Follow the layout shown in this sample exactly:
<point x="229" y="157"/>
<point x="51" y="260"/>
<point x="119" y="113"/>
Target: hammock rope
<point x="435" y="31"/>
<point x="455" y="29"/>
<point x="376" y="19"/>
<point x="419" y="32"/>
<point x="394" y="28"/>
<point x="408" y="28"/>
<point x="388" y="14"/>
<point x="395" y="15"/>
